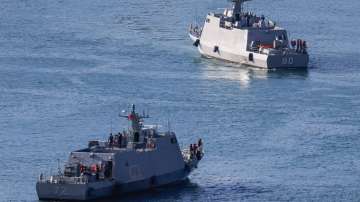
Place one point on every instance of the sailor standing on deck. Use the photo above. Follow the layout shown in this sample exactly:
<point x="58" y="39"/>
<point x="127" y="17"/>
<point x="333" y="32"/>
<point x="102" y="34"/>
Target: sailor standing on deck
<point x="200" y="145"/>
<point x="111" y="139"/>
<point x="262" y="22"/>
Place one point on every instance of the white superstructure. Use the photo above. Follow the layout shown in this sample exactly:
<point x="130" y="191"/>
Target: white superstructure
<point x="243" y="37"/>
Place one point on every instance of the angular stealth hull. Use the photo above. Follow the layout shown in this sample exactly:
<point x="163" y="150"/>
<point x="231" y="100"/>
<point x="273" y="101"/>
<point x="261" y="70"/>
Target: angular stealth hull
<point x="242" y="37"/>
<point x="59" y="191"/>
<point x="293" y="60"/>
<point x="90" y="191"/>
<point x="139" y="159"/>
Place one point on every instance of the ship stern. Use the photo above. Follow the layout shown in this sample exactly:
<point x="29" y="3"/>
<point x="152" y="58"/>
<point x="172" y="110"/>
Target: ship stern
<point x="65" y="191"/>
<point x="51" y="191"/>
<point x="291" y="61"/>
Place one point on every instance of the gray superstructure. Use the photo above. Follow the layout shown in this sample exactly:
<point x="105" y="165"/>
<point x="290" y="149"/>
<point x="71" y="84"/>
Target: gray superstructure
<point x="133" y="160"/>
<point x="244" y="37"/>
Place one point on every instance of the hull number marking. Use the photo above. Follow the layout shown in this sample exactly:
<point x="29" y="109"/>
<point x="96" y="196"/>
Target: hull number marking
<point x="287" y="61"/>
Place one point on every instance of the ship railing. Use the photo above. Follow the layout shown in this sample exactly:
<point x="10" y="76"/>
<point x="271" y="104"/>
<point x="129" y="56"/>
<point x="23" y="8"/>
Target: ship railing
<point x="195" y="30"/>
<point x="61" y="179"/>
<point x="81" y="180"/>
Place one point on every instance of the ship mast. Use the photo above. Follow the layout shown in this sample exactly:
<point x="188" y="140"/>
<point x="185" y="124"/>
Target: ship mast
<point x="136" y="121"/>
<point x="238" y="7"/>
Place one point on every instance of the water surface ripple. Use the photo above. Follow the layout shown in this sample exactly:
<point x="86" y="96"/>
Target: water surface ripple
<point x="67" y="67"/>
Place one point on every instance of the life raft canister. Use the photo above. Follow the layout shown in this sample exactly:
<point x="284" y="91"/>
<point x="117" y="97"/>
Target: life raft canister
<point x="150" y="145"/>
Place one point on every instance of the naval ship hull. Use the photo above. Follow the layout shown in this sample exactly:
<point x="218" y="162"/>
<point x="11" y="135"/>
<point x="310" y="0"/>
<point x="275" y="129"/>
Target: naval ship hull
<point x="296" y="60"/>
<point x="58" y="191"/>
<point x="90" y="191"/>
<point x="246" y="39"/>
<point x="137" y="160"/>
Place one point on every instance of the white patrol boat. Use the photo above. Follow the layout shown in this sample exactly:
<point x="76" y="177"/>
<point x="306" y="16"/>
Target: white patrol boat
<point x="244" y="37"/>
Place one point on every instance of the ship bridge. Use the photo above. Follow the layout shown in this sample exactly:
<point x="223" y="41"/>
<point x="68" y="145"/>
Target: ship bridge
<point x="236" y="17"/>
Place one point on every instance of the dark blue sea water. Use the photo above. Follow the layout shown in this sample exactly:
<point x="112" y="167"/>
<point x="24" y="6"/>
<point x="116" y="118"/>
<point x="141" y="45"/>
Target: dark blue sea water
<point x="67" y="67"/>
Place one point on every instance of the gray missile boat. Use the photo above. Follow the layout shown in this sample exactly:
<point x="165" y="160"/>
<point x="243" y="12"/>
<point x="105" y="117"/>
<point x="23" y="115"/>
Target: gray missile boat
<point x="138" y="159"/>
<point x="243" y="37"/>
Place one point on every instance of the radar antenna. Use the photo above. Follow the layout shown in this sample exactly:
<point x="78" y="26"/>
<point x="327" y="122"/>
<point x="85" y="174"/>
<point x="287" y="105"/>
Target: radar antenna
<point x="135" y="119"/>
